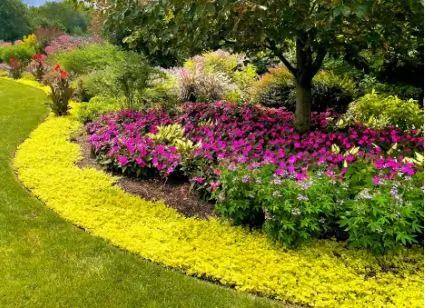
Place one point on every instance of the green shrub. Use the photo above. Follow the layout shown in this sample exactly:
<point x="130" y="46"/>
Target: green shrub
<point x="97" y="83"/>
<point x="162" y="92"/>
<point x="98" y="105"/>
<point x="19" y="52"/>
<point x="274" y="88"/>
<point x="332" y="91"/>
<point x="380" y="214"/>
<point x="89" y="58"/>
<point x="377" y="111"/>
<point x="403" y="91"/>
<point x="292" y="211"/>
<point x="133" y="77"/>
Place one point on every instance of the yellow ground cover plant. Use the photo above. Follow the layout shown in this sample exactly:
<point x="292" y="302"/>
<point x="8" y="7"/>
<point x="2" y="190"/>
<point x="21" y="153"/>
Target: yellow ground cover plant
<point x="322" y="274"/>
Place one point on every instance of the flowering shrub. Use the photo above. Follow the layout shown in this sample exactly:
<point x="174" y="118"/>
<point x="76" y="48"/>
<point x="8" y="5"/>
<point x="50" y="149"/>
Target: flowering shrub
<point x="61" y="91"/>
<point x="67" y="42"/>
<point x="243" y="134"/>
<point x="15" y="68"/>
<point x="38" y="66"/>
<point x="292" y="211"/>
<point x="381" y="214"/>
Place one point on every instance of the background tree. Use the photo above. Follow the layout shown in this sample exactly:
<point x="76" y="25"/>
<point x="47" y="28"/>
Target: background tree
<point x="60" y="15"/>
<point x="14" y="20"/>
<point x="172" y="29"/>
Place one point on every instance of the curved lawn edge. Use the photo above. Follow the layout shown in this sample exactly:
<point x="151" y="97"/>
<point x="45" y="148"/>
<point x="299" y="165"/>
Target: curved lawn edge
<point x="324" y="274"/>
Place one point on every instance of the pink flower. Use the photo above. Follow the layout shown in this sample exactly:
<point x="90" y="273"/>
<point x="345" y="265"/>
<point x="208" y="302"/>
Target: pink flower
<point x="376" y="180"/>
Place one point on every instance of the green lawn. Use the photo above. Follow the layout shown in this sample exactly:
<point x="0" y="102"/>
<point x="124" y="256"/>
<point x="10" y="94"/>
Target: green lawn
<point x="47" y="262"/>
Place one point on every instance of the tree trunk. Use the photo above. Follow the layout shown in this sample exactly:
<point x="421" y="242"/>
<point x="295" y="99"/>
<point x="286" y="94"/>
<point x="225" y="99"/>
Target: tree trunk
<point x="303" y="106"/>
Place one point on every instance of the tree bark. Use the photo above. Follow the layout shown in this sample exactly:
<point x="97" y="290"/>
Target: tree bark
<point x="303" y="105"/>
<point x="304" y="77"/>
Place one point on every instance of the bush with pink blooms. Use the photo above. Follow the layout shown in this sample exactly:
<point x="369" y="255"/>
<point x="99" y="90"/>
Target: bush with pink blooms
<point x="230" y="137"/>
<point x="67" y="42"/>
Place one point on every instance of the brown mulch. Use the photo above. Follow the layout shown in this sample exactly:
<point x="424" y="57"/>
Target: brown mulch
<point x="175" y="194"/>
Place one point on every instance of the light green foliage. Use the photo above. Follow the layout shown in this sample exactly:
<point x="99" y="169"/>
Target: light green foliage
<point x="98" y="105"/>
<point x="89" y="58"/>
<point x="21" y="52"/>
<point x="99" y="82"/>
<point x="382" y="216"/>
<point x="162" y="92"/>
<point x="243" y="75"/>
<point x="173" y="135"/>
<point x="377" y="111"/>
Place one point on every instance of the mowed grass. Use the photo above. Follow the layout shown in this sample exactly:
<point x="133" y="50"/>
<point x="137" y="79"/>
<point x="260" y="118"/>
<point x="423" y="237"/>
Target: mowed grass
<point x="47" y="262"/>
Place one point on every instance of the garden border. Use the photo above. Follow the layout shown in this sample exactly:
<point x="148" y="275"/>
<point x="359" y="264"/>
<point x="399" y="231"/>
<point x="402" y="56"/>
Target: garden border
<point x="324" y="274"/>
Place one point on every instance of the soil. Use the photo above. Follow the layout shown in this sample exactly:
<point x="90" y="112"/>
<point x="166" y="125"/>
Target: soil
<point x="175" y="194"/>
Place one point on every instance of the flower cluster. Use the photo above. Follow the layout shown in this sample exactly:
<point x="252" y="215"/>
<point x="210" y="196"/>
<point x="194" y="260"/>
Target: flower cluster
<point x="38" y="66"/>
<point x="123" y="138"/>
<point x="230" y="135"/>
<point x="61" y="91"/>
<point x="67" y="42"/>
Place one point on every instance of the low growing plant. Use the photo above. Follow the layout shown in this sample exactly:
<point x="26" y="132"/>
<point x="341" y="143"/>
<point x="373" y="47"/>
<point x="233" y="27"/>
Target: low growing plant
<point x="381" y="213"/>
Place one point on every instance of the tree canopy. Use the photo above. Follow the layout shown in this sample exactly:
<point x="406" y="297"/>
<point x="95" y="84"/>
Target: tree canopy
<point x="60" y="15"/>
<point x="14" y="20"/>
<point x="169" y="30"/>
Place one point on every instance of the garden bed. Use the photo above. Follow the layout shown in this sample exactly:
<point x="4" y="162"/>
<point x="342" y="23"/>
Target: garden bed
<point x="322" y="274"/>
<point x="176" y="194"/>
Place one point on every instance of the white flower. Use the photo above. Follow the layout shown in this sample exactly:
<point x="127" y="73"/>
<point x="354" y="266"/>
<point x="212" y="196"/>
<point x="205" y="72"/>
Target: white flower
<point x="296" y="211"/>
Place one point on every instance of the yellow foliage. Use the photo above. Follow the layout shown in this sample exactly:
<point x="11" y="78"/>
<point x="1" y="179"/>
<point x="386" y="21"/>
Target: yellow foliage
<point x="322" y="274"/>
<point x="30" y="40"/>
<point x="31" y="83"/>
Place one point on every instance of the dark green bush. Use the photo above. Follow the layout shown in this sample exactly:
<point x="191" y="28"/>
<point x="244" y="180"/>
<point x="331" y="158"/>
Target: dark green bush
<point x="274" y="88"/>
<point x="277" y="89"/>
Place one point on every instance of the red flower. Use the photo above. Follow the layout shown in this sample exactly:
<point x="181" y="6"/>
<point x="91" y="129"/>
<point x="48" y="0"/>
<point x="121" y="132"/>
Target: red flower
<point x="64" y="75"/>
<point x="12" y="60"/>
<point x="57" y="67"/>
